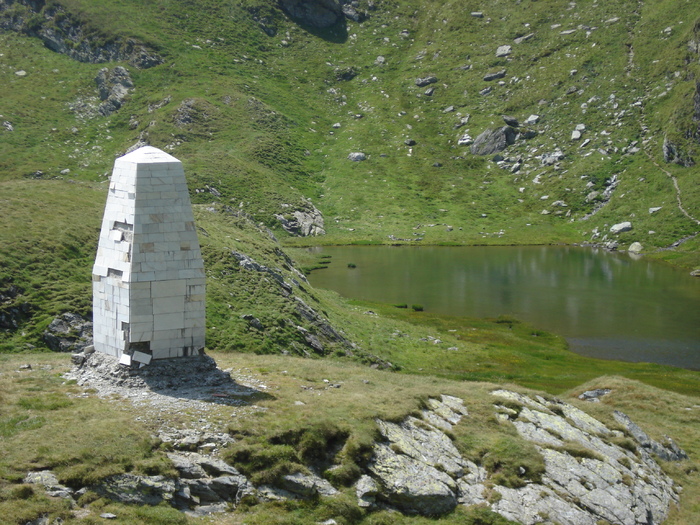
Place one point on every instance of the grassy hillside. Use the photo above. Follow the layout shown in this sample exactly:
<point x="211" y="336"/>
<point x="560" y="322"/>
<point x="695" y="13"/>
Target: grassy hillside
<point x="263" y="113"/>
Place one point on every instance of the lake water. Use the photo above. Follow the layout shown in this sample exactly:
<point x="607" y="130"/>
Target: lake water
<point x="607" y="305"/>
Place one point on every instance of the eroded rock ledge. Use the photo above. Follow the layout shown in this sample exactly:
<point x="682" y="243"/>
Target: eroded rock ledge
<point x="592" y="474"/>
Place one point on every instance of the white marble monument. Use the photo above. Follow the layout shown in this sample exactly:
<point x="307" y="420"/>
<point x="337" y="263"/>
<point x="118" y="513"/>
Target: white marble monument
<point x="148" y="278"/>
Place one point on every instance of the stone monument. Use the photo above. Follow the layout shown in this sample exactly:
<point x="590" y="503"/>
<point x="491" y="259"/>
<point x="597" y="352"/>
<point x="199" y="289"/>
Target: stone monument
<point x="148" y="277"/>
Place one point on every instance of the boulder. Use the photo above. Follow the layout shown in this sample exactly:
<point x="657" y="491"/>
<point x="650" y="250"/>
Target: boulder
<point x="524" y="38"/>
<point x="503" y="51"/>
<point x="621" y="227"/>
<point x="493" y="141"/>
<point x="137" y="490"/>
<point x="366" y="490"/>
<point x="549" y="159"/>
<point x="635" y="247"/>
<point x="422" y="82"/>
<point x="320" y="14"/>
<point x="357" y="156"/>
<point x="511" y="121"/>
<point x="307" y="485"/>
<point x="465" y="140"/>
<point x="495" y="76"/>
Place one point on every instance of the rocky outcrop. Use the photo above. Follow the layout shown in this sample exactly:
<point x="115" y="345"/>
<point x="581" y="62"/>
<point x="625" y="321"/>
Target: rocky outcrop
<point x="63" y="33"/>
<point x="493" y="141"/>
<point x="588" y="478"/>
<point x="68" y="333"/>
<point x="13" y="310"/>
<point x="304" y="221"/>
<point x="673" y="154"/>
<point x="319" y="14"/>
<point x="113" y="86"/>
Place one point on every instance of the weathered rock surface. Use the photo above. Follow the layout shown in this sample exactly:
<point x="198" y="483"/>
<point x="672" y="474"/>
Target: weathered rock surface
<point x="493" y="141"/>
<point x="304" y="221"/>
<point x="495" y="76"/>
<point x="621" y="227"/>
<point x="113" y="86"/>
<point x="69" y="333"/>
<point x="61" y="32"/>
<point x="417" y="469"/>
<point x="315" y="13"/>
<point x="357" y="156"/>
<point x="13" y="310"/>
<point x="422" y="82"/>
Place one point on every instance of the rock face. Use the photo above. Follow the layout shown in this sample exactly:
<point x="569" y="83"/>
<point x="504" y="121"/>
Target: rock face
<point x="320" y="14"/>
<point x="113" y="86"/>
<point x="62" y="33"/>
<point x="68" y="333"/>
<point x="305" y="221"/>
<point x="13" y="310"/>
<point x="588" y="479"/>
<point x="493" y="141"/>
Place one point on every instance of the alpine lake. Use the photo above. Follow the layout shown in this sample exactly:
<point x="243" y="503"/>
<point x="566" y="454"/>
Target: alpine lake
<point x="607" y="305"/>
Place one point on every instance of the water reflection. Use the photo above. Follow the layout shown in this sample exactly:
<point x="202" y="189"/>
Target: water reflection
<point x="607" y="305"/>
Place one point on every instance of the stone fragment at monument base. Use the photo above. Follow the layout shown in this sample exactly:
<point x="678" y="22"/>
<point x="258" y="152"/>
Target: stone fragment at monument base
<point x="148" y="277"/>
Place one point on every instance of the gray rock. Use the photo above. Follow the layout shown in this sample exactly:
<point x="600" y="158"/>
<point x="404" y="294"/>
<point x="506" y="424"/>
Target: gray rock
<point x="673" y="154"/>
<point x="307" y="485"/>
<point x="423" y="443"/>
<point x="575" y="135"/>
<point x="422" y="82"/>
<point x="594" y="395"/>
<point x="654" y="210"/>
<point x="635" y="247"/>
<point x="549" y="159"/>
<point x="495" y="76"/>
<point x="524" y="38"/>
<point x="320" y="14"/>
<point x="366" y="491"/>
<point x="477" y="14"/>
<point x="232" y="488"/>
<point x="465" y="140"/>
<point x="357" y="156"/>
<point x="532" y="119"/>
<point x="8" y="125"/>
<point x="137" y="490"/>
<point x="304" y="221"/>
<point x="493" y="141"/>
<point x="253" y="321"/>
<point x="69" y="333"/>
<point x="113" y="86"/>
<point x="621" y="227"/>
<point x="668" y="452"/>
<point x="503" y="51"/>
<point x="411" y="485"/>
<point x="511" y="121"/>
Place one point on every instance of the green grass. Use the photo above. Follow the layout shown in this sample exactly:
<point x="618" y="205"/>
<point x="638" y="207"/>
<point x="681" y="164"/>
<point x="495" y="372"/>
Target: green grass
<point x="262" y="137"/>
